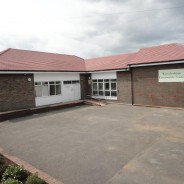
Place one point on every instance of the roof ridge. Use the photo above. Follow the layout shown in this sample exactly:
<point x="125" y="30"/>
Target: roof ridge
<point x="45" y="52"/>
<point x="4" y="51"/>
<point x="154" y="46"/>
<point x="180" y="44"/>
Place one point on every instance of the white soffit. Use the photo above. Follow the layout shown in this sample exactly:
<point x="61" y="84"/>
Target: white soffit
<point x="154" y="64"/>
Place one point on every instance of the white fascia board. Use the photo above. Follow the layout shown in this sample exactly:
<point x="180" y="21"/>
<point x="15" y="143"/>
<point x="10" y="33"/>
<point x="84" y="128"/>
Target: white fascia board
<point x="154" y="64"/>
<point x="106" y="71"/>
<point x="58" y="72"/>
<point x="33" y="72"/>
<point x="14" y="72"/>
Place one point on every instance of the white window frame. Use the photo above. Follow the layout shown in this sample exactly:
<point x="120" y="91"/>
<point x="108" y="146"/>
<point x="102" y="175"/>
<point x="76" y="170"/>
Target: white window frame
<point x="97" y="81"/>
<point x="49" y="83"/>
<point x="69" y="82"/>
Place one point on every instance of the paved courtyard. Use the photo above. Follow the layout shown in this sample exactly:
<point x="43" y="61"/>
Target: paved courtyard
<point x="114" y="144"/>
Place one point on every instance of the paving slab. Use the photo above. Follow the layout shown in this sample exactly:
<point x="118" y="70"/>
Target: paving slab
<point x="112" y="144"/>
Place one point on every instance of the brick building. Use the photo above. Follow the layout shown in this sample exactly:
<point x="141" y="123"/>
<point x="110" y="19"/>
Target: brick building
<point x="152" y="76"/>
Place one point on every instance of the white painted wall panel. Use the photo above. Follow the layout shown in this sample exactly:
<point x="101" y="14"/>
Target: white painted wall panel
<point x="55" y="76"/>
<point x="69" y="92"/>
<point x="104" y="75"/>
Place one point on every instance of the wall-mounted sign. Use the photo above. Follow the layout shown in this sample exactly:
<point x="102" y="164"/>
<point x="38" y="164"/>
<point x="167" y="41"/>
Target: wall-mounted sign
<point x="172" y="75"/>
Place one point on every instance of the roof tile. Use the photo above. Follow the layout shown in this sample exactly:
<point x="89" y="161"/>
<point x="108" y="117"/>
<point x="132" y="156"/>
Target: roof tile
<point x="161" y="53"/>
<point x="14" y="59"/>
<point x="23" y="60"/>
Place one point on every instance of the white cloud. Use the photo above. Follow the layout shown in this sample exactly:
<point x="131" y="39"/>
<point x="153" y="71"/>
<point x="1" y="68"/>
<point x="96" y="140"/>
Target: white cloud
<point x="89" y="28"/>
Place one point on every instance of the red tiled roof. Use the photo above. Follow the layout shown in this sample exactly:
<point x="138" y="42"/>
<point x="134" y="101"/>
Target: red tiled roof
<point x="109" y="62"/>
<point x="22" y="60"/>
<point x="168" y="52"/>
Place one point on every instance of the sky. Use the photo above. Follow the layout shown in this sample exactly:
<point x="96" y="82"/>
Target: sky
<point x="90" y="28"/>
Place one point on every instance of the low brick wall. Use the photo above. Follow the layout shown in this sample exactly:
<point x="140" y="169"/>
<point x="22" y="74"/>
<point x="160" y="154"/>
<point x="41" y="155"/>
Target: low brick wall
<point x="25" y="112"/>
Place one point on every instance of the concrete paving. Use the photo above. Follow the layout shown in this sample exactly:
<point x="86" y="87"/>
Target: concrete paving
<point x="114" y="144"/>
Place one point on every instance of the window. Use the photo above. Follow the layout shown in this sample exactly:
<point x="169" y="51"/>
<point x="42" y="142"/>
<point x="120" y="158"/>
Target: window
<point x="38" y="89"/>
<point x="95" y="88"/>
<point x="71" y="82"/>
<point x="47" y="88"/>
<point x="52" y="89"/>
<point x="75" y="81"/>
<point x="104" y="87"/>
<point x="67" y="82"/>
<point x="45" y="91"/>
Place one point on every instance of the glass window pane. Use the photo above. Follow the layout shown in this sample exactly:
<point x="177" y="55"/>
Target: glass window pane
<point x="58" y="89"/>
<point x="106" y="80"/>
<point x="38" y="90"/>
<point x="95" y="93"/>
<point x="45" y="90"/>
<point x="107" y="93"/>
<point x="75" y="81"/>
<point x="113" y="93"/>
<point x="58" y="82"/>
<point x="113" y="80"/>
<point x="107" y="86"/>
<point x="37" y="83"/>
<point x="52" y="82"/>
<point x="100" y="80"/>
<point x="101" y="93"/>
<point x="44" y="83"/>
<point x="113" y="86"/>
<point x="67" y="82"/>
<point x="94" y="80"/>
<point x="52" y="90"/>
<point x="100" y="86"/>
<point x="95" y="86"/>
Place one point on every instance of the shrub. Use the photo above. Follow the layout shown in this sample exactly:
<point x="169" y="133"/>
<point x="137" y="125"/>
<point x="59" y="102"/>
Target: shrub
<point x="33" y="179"/>
<point x="2" y="170"/>
<point x="14" y="172"/>
<point x="12" y="181"/>
<point x="1" y="160"/>
<point x="2" y="166"/>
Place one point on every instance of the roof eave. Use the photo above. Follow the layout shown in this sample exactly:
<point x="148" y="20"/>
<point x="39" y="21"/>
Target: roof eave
<point x="108" y="70"/>
<point x="38" y="71"/>
<point x="180" y="61"/>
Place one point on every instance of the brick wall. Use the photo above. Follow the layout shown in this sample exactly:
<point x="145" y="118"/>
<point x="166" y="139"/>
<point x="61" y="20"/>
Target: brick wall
<point x="148" y="91"/>
<point x="16" y="92"/>
<point x="124" y="87"/>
